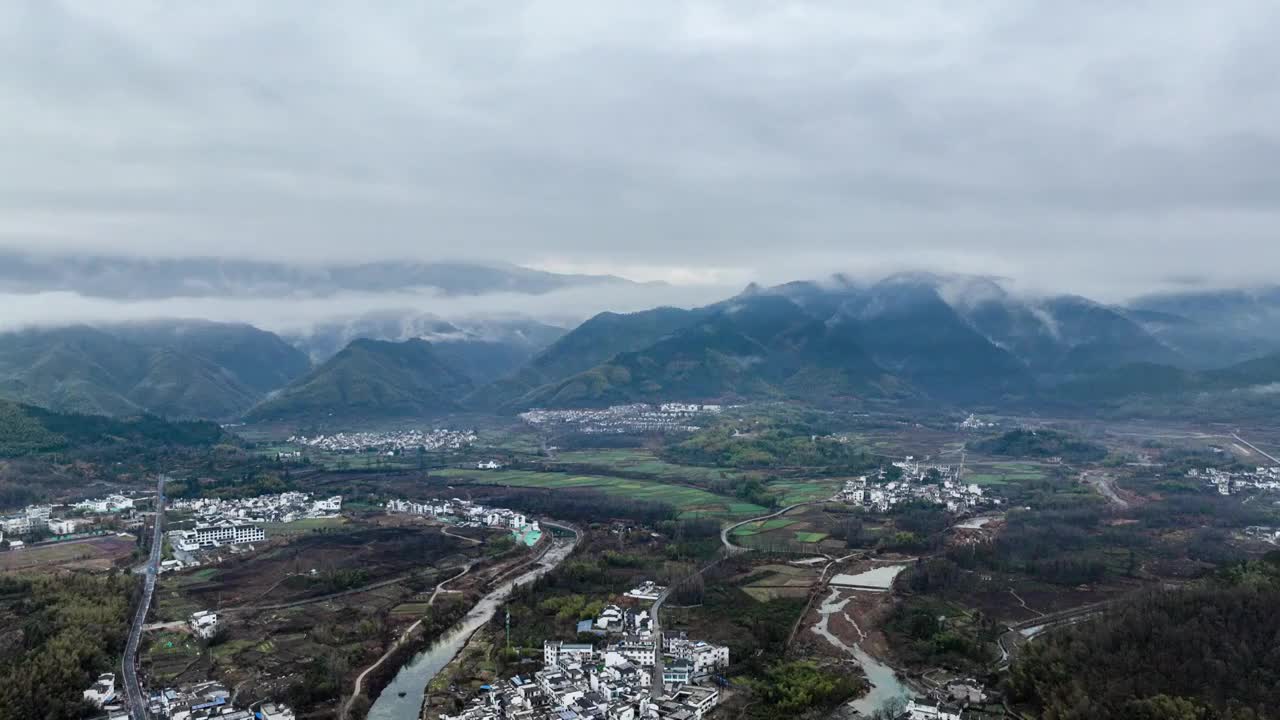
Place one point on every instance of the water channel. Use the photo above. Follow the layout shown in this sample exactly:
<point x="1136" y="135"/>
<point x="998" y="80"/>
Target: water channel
<point x="402" y="699"/>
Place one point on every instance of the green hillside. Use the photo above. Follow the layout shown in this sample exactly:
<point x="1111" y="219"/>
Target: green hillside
<point x="371" y="379"/>
<point x="29" y="430"/>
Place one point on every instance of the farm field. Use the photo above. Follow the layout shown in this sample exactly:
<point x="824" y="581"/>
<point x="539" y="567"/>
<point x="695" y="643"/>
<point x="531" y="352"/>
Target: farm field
<point x="756" y="528"/>
<point x="1003" y="473"/>
<point x="691" y="502"/>
<point x="98" y="553"/>
<point x="643" y="461"/>
<point x="790" y="492"/>
<point x="298" y="527"/>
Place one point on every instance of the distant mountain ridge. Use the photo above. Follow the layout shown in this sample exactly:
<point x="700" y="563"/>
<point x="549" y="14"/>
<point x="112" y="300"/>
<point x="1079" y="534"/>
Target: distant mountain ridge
<point x="122" y="277"/>
<point x="911" y="337"/>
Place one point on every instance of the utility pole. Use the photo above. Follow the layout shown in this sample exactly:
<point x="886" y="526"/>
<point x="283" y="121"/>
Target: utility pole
<point x="508" y="630"/>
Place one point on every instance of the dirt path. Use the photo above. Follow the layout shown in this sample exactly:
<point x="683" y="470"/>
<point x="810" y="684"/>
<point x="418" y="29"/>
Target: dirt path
<point x="1023" y="603"/>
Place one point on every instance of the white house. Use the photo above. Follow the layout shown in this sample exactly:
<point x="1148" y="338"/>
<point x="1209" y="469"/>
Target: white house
<point x="204" y="623"/>
<point x="930" y="712"/>
<point x="103" y="690"/>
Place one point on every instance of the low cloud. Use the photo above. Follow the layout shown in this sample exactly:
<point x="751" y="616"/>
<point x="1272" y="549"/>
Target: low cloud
<point x="299" y="315"/>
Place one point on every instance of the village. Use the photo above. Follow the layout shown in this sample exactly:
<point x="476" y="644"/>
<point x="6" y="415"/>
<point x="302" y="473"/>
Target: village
<point x="910" y="480"/>
<point x="469" y="514"/>
<point x="630" y="674"/>
<point x="392" y="442"/>
<point x="620" y="419"/>
<point x="203" y="701"/>
<point x="39" y="522"/>
<point x="238" y="522"/>
<point x="1261" y="479"/>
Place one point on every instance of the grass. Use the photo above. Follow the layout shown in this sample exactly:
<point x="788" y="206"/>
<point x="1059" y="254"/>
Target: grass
<point x="687" y="500"/>
<point x="298" y="527"/>
<point x="811" y="537"/>
<point x="791" y="492"/>
<point x="642" y="461"/>
<point x="756" y="528"/>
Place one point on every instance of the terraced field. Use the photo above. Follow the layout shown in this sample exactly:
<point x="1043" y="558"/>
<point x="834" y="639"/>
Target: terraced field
<point x="688" y="500"/>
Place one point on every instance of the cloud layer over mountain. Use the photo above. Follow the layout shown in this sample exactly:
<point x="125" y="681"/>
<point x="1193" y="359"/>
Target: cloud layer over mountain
<point x="1109" y="148"/>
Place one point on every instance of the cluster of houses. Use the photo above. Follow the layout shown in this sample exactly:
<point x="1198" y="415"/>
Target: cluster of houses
<point x="935" y="484"/>
<point x="1230" y="483"/>
<point x="237" y="523"/>
<point x="205" y="701"/>
<point x="469" y="514"/>
<point x="612" y="681"/>
<point x="283" y="508"/>
<point x="40" y="517"/>
<point x="618" y="419"/>
<point x="973" y="422"/>
<point x="392" y="442"/>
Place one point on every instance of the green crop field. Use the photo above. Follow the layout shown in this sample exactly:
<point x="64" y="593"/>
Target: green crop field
<point x="643" y="461"/>
<point x="689" y="501"/>
<point x="811" y="537"/>
<point x="790" y="492"/>
<point x="298" y="527"/>
<point x="764" y="526"/>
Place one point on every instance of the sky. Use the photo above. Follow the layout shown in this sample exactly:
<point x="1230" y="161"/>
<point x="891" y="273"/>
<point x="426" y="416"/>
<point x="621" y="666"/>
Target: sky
<point x="1107" y="148"/>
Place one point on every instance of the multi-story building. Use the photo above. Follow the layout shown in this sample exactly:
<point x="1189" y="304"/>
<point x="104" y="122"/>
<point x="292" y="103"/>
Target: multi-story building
<point x="207" y="536"/>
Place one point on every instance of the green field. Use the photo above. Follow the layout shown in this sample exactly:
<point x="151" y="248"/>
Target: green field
<point x="1004" y="473"/>
<point x="298" y="527"/>
<point x="764" y="526"/>
<point x="811" y="537"/>
<point x="643" y="461"/>
<point x="791" y="492"/>
<point x="687" y="500"/>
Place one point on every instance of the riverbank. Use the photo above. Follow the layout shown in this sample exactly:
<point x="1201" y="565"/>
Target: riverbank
<point x="403" y="697"/>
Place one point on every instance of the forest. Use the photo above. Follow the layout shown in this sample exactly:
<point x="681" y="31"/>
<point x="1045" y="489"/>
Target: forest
<point x="56" y="636"/>
<point x="1042" y="444"/>
<point x="1204" y="653"/>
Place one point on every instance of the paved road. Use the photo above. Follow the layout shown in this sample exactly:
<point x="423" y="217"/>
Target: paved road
<point x="1254" y="448"/>
<point x="135" y="699"/>
<point x="735" y="549"/>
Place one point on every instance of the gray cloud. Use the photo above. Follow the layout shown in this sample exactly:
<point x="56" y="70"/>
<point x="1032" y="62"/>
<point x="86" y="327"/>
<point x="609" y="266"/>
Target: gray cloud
<point x="1097" y="147"/>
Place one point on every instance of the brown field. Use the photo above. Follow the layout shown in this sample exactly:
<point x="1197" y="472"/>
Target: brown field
<point x="99" y="553"/>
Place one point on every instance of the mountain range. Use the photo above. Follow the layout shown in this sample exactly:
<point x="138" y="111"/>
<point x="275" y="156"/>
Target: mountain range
<point x="120" y="277"/>
<point x="908" y="338"/>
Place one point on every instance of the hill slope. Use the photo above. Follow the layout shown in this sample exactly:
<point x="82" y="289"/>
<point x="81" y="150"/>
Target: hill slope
<point x="371" y="379"/>
<point x="181" y="370"/>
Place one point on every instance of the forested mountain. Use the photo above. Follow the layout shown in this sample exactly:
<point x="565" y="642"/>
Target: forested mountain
<point x="1214" y="328"/>
<point x="371" y="379"/>
<point x="754" y="346"/>
<point x="175" y="370"/>
<point x="912" y="336"/>
<point x="484" y="348"/>
<point x="591" y="343"/>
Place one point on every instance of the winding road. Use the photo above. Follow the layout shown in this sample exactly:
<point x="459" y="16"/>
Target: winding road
<point x="135" y="699"/>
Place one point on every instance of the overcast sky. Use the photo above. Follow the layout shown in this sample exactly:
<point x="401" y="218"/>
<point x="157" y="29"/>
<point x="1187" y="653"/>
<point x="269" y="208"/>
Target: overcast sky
<point x="1073" y="145"/>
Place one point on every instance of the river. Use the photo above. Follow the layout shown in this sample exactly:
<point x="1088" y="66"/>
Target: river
<point x="884" y="682"/>
<point x="402" y="699"/>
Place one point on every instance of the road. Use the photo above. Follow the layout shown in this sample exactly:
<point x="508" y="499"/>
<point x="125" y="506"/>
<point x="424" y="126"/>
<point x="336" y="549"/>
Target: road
<point x="135" y="699"/>
<point x="726" y="532"/>
<point x="1254" y="448"/>
<point x="1106" y="487"/>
